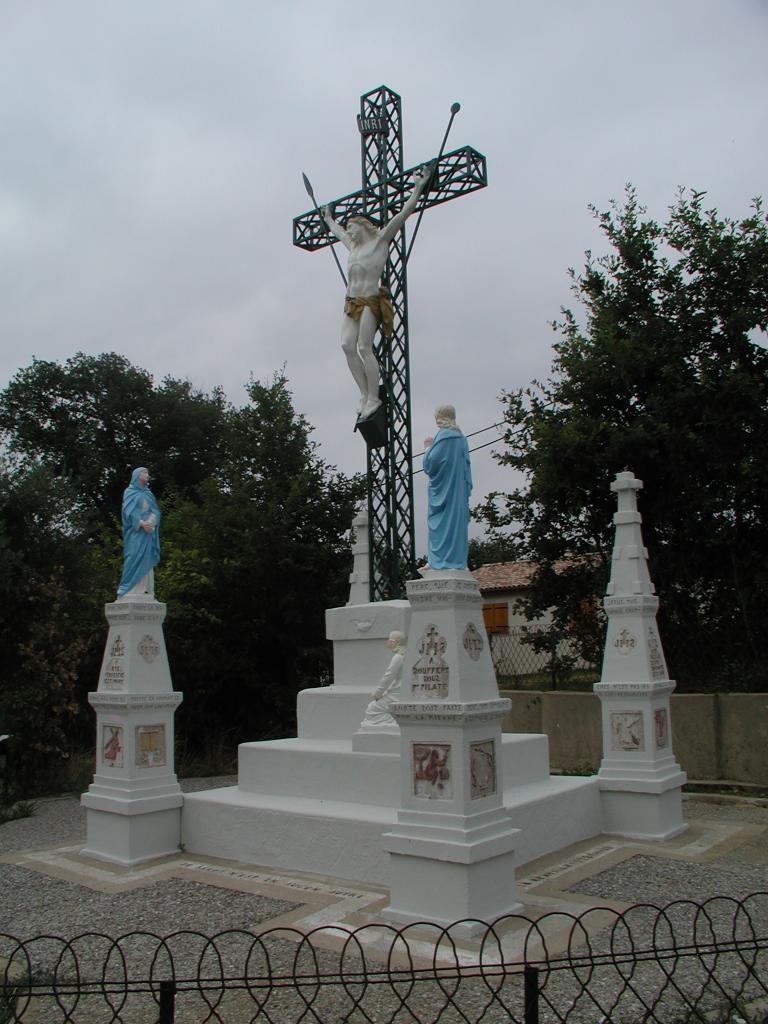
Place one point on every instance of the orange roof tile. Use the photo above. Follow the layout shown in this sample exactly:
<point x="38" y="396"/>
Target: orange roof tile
<point x="498" y="576"/>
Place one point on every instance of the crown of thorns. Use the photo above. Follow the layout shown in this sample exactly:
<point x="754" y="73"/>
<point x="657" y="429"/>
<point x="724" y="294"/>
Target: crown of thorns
<point x="360" y="215"/>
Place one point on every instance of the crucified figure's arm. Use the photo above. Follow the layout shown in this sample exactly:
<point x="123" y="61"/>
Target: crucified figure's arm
<point x="420" y="179"/>
<point x="334" y="227"/>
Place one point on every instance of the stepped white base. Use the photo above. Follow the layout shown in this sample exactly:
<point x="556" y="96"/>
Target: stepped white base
<point x="343" y="837"/>
<point x="337" y="768"/>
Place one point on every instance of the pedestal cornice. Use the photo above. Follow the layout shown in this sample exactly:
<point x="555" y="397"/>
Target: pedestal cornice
<point x="453" y="713"/>
<point x="134" y="701"/>
<point x="643" y="688"/>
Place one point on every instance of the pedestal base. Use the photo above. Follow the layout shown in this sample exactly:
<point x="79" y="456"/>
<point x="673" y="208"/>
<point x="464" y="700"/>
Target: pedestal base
<point x="126" y="836"/>
<point x="444" y="883"/>
<point x="133" y="806"/>
<point x="642" y="814"/>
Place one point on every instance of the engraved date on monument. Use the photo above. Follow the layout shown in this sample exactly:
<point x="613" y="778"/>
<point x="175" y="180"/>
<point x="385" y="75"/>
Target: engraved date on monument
<point x="432" y="771"/>
<point x="625" y="642"/>
<point x="482" y="767"/>
<point x="430" y="673"/>
<point x="117" y="650"/>
<point x="114" y="675"/>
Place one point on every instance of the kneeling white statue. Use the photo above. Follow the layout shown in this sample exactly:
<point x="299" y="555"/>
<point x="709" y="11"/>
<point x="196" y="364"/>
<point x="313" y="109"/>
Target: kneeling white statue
<point x="387" y="693"/>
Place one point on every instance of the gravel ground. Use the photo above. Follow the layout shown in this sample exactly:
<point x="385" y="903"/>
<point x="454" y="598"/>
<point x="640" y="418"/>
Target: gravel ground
<point x="661" y="880"/>
<point x="32" y="903"/>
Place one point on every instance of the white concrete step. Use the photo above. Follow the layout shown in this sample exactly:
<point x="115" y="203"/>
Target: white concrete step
<point x="317" y="768"/>
<point x="343" y="839"/>
<point x="331" y="712"/>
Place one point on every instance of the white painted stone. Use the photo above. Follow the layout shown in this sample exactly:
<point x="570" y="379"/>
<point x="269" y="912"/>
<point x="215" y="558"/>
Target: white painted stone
<point x="640" y="780"/>
<point x="320" y="802"/>
<point x="359" y="634"/>
<point x="359" y="578"/>
<point x="342" y="838"/>
<point x="331" y="712"/>
<point x="452" y="850"/>
<point x="133" y="806"/>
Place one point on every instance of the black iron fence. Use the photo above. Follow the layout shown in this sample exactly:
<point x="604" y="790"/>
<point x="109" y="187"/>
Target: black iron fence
<point x="684" y="962"/>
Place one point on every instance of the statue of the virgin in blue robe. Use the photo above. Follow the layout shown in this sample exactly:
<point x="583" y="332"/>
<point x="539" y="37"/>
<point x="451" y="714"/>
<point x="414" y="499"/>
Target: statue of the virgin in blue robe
<point x="141" y="537"/>
<point x="446" y="463"/>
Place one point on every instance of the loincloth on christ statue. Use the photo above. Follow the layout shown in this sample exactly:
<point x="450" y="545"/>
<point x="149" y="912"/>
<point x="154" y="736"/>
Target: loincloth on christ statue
<point x="380" y="305"/>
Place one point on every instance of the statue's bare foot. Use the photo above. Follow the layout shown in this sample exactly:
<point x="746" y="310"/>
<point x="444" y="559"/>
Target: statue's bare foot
<point x="370" y="407"/>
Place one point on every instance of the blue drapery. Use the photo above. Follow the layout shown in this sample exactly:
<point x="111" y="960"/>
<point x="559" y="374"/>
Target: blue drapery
<point x="446" y="463"/>
<point x="141" y="550"/>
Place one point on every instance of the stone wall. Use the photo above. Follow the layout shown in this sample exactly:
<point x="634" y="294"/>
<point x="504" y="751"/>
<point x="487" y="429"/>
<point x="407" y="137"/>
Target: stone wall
<point x="714" y="736"/>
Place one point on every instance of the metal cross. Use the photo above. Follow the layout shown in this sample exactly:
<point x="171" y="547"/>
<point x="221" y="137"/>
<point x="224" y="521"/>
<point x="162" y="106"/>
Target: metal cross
<point x="386" y="185"/>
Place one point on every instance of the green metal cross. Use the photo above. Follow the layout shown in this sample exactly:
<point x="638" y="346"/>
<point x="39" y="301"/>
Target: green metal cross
<point x="386" y="186"/>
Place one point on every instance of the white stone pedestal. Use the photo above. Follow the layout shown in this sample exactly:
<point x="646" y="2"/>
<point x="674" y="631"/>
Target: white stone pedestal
<point x="452" y="847"/>
<point x="133" y="806"/>
<point x="359" y="578"/>
<point x="640" y="781"/>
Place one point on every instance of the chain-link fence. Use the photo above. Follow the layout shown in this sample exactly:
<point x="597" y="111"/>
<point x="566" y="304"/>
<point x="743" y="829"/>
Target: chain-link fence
<point x="518" y="664"/>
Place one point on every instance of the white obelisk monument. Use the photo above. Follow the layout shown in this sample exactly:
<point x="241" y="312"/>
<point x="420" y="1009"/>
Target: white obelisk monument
<point x="640" y="780"/>
<point x="133" y="805"/>
<point x="452" y="849"/>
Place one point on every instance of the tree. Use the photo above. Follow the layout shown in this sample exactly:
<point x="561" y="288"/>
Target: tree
<point x="487" y="550"/>
<point x="45" y="632"/>
<point x="253" y="548"/>
<point x="250" y="568"/>
<point x="668" y="377"/>
<point x="95" y="418"/>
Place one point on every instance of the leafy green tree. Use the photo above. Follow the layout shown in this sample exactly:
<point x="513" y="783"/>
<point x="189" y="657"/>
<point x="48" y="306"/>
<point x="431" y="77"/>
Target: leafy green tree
<point x="487" y="550"/>
<point x="253" y="549"/>
<point x="667" y="376"/>
<point x="250" y="568"/>
<point x="47" y="636"/>
<point x="95" y="418"/>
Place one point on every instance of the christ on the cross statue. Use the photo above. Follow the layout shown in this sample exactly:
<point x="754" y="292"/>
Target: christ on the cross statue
<point x="367" y="304"/>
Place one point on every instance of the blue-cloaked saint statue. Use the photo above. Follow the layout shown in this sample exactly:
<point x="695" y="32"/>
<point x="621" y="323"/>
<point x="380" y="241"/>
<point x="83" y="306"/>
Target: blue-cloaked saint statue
<point x="141" y="537"/>
<point x="446" y="463"/>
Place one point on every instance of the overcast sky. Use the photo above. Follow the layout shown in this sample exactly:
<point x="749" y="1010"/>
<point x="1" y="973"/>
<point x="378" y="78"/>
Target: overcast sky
<point x="151" y="157"/>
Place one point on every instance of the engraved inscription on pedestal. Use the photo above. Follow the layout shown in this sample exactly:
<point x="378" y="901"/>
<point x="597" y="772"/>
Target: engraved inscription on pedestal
<point x="656" y="658"/>
<point x="473" y="641"/>
<point x="625" y="642"/>
<point x="430" y="673"/>
<point x="627" y="730"/>
<point x="150" y="746"/>
<point x="112" y="746"/>
<point x="661" y="728"/>
<point x="432" y="771"/>
<point x="482" y="767"/>
<point x="148" y="648"/>
<point x="114" y="675"/>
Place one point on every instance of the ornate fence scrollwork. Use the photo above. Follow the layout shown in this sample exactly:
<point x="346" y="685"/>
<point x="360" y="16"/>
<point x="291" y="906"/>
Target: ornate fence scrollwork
<point x="684" y="962"/>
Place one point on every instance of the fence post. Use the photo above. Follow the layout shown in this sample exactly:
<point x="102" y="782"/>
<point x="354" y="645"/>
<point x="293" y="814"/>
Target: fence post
<point x="531" y="994"/>
<point x="167" y="1002"/>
